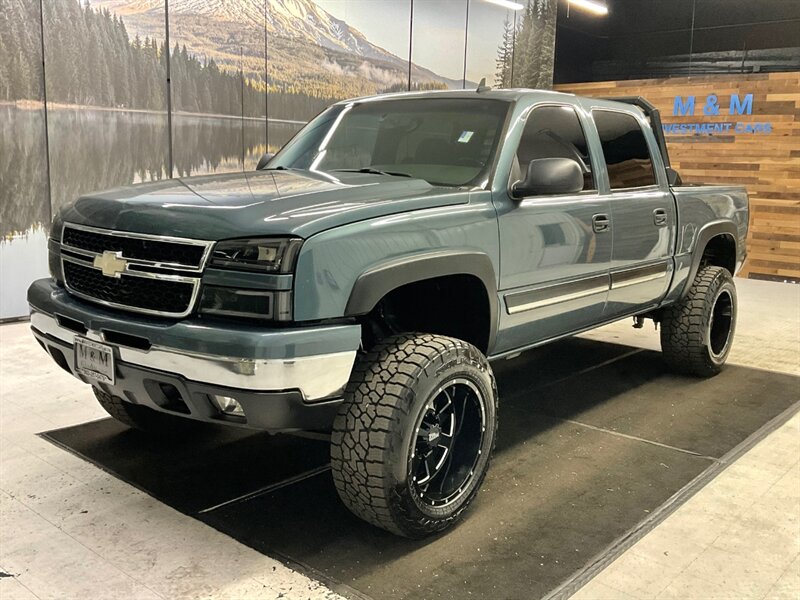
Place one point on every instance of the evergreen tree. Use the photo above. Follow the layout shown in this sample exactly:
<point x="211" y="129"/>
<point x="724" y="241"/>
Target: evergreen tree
<point x="505" y="54"/>
<point x="535" y="45"/>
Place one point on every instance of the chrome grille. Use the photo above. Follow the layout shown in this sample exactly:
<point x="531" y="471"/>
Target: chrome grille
<point x="134" y="292"/>
<point x="150" y="249"/>
<point x="137" y="272"/>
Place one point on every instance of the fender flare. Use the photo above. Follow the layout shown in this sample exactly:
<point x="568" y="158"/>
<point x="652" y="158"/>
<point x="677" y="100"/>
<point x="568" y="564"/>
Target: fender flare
<point x="377" y="281"/>
<point x="706" y="233"/>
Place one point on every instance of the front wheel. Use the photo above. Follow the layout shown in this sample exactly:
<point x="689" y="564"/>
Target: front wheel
<point x="697" y="333"/>
<point x="412" y="441"/>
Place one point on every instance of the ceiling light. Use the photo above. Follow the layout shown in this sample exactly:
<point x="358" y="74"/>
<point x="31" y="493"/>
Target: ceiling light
<point x="506" y="4"/>
<point x="591" y="6"/>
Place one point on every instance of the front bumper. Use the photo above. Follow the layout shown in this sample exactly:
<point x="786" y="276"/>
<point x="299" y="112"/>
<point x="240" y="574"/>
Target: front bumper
<point x="283" y="378"/>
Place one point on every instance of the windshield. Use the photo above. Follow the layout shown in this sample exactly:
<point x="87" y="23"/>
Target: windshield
<point x="445" y="141"/>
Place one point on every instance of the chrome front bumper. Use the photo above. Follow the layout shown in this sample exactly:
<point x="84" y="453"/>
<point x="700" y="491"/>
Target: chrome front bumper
<point x="317" y="377"/>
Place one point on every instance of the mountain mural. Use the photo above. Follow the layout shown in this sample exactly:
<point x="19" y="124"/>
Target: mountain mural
<point x="310" y="50"/>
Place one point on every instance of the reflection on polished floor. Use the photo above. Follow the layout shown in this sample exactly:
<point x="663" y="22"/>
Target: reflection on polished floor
<point x="610" y="435"/>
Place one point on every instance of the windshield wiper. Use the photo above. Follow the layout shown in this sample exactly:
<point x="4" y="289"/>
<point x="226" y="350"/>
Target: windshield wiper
<point x="372" y="172"/>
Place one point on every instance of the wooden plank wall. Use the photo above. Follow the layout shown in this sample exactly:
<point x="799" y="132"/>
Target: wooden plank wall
<point x="767" y="164"/>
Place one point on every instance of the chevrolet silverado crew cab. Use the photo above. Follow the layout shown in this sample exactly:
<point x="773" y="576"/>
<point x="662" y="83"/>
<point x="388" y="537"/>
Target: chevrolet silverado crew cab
<point x="363" y="279"/>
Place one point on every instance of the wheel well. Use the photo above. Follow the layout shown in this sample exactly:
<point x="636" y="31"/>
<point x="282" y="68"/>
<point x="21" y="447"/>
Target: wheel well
<point x="720" y="252"/>
<point x="453" y="305"/>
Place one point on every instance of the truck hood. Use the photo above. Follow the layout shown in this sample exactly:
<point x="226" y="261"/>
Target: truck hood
<point x="256" y="203"/>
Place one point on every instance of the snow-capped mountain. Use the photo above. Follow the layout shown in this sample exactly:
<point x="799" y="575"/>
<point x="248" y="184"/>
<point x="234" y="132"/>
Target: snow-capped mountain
<point x="298" y="19"/>
<point x="307" y="43"/>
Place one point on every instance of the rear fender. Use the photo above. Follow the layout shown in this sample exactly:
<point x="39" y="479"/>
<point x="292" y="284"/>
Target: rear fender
<point x="704" y="236"/>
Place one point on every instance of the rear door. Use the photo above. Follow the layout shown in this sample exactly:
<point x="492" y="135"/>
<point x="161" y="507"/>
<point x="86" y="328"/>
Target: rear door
<point x="643" y="214"/>
<point x="555" y="250"/>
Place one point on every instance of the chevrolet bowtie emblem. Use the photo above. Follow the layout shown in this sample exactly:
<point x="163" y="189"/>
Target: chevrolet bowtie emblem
<point x="110" y="263"/>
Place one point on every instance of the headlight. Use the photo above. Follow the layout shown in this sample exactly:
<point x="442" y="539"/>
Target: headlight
<point x="248" y="304"/>
<point x="263" y="255"/>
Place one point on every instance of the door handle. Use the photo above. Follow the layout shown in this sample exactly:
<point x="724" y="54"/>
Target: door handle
<point x="600" y="223"/>
<point x="660" y="217"/>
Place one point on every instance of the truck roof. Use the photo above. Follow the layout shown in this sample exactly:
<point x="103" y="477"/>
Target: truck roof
<point x="509" y="95"/>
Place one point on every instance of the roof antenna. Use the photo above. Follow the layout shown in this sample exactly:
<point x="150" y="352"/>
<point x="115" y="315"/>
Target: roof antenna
<point x="482" y="87"/>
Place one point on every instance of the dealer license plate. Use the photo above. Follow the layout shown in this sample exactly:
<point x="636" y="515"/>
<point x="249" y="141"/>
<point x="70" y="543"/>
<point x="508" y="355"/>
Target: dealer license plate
<point x="94" y="360"/>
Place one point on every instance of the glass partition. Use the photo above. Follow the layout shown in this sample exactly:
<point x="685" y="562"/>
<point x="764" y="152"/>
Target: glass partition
<point x="24" y="194"/>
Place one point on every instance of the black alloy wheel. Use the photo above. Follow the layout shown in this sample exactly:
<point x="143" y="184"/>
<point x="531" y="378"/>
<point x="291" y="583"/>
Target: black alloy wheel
<point x="721" y="325"/>
<point x="447" y="443"/>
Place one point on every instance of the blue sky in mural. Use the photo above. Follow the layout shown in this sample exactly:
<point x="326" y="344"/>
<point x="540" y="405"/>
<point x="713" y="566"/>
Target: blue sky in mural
<point x="384" y="22"/>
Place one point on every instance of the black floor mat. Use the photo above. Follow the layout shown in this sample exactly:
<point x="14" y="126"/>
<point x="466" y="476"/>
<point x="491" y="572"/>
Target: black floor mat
<point x="593" y="438"/>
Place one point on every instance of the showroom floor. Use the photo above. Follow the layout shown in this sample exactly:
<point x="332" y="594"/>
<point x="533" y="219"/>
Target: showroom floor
<point x="71" y="530"/>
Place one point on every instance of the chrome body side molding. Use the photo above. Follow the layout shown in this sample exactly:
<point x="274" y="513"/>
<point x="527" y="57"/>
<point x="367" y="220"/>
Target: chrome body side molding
<point x="538" y="297"/>
<point x="636" y="275"/>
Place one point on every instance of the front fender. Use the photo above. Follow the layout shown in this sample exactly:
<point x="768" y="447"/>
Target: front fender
<point x="378" y="281"/>
<point x="446" y="240"/>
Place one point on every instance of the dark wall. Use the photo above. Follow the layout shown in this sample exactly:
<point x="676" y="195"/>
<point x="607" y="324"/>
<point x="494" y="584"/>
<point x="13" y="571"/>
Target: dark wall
<point x="641" y="39"/>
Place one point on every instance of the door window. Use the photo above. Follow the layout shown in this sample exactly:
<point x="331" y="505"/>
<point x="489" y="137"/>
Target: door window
<point x="627" y="156"/>
<point x="553" y="132"/>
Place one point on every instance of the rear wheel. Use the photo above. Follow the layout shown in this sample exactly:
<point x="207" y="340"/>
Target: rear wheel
<point x="697" y="333"/>
<point x="143" y="418"/>
<point x="412" y="441"/>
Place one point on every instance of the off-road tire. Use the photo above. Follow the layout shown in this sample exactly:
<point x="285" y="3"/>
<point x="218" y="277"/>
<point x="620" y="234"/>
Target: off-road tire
<point x="143" y="418"/>
<point x="389" y="391"/>
<point x="687" y="342"/>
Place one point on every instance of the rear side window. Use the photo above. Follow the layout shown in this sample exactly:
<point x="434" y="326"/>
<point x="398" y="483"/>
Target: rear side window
<point x="554" y="132"/>
<point x="627" y="157"/>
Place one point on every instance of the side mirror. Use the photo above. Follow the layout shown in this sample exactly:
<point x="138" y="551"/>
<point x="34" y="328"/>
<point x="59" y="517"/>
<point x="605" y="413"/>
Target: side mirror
<point x="549" y="176"/>
<point x="262" y="162"/>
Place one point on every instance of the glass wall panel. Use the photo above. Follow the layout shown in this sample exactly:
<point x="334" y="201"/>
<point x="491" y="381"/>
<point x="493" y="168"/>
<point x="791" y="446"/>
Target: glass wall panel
<point x="24" y="204"/>
<point x="490" y="43"/>
<point x="321" y="51"/>
<point x="254" y="124"/>
<point x="534" y="45"/>
<point x="105" y="77"/>
<point x="437" y="50"/>
<point x="216" y="55"/>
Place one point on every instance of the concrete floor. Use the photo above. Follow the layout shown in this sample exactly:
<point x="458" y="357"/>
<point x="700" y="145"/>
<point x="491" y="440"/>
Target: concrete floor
<point x="70" y="530"/>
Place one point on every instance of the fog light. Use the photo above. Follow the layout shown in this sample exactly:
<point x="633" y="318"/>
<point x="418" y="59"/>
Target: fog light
<point x="228" y="405"/>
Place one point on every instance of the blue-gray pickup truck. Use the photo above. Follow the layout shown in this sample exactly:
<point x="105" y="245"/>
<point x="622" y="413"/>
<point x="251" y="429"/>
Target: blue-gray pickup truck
<point x="363" y="279"/>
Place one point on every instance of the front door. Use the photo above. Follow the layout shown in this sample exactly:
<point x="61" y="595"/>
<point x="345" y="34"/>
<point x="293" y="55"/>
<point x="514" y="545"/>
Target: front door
<point x="555" y="250"/>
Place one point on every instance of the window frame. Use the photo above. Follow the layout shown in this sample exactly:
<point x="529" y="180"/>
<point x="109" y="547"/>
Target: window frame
<point x="577" y="110"/>
<point x="656" y="177"/>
